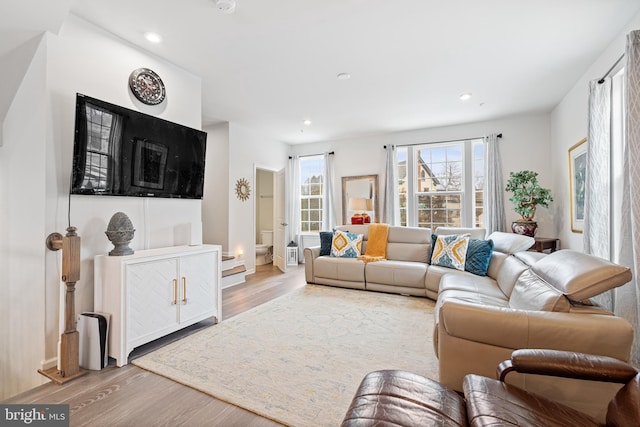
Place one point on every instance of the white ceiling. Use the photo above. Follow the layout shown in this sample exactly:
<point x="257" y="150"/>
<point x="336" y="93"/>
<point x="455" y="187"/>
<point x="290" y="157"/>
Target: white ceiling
<point x="272" y="64"/>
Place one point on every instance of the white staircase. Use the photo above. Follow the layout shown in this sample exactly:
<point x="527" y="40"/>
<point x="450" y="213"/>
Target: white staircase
<point x="233" y="272"/>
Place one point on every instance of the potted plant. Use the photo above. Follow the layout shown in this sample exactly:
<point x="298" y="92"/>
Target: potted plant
<point x="527" y="195"/>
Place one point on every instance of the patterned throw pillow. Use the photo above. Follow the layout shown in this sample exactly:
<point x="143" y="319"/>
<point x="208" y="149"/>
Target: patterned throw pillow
<point x="346" y="245"/>
<point x="450" y="251"/>
<point x="478" y="256"/>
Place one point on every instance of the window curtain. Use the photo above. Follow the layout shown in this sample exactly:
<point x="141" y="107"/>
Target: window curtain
<point x="597" y="203"/>
<point x="494" y="216"/>
<point x="626" y="303"/>
<point x="293" y="174"/>
<point x="389" y="193"/>
<point x="328" y="194"/>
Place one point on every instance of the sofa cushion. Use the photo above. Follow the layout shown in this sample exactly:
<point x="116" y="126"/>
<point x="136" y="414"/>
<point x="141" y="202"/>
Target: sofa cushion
<point x="474" y="233"/>
<point x="435" y="274"/>
<point x="533" y="293"/>
<point x="580" y="276"/>
<point x="478" y="256"/>
<point x="510" y="269"/>
<point x="483" y="286"/>
<point x="398" y="273"/>
<point x="450" y="250"/>
<point x="510" y="243"/>
<point x="355" y="228"/>
<point x="409" y="244"/>
<point x="326" y="238"/>
<point x="492" y="299"/>
<point x="342" y="269"/>
<point x="530" y="257"/>
<point x="346" y="244"/>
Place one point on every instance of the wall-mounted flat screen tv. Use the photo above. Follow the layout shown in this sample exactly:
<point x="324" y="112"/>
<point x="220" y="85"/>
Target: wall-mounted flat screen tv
<point x="122" y="152"/>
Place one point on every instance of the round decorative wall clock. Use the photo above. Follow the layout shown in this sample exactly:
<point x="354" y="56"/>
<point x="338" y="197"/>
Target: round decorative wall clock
<point x="147" y="86"/>
<point x="242" y="189"/>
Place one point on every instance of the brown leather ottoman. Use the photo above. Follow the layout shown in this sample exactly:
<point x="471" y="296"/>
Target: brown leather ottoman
<point x="400" y="398"/>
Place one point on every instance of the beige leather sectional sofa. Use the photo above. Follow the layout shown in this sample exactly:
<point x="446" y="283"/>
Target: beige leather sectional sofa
<point x="406" y="270"/>
<point x="527" y="300"/>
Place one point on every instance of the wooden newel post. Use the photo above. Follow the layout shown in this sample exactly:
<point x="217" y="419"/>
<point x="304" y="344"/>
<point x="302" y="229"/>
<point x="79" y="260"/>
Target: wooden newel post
<point x="70" y="339"/>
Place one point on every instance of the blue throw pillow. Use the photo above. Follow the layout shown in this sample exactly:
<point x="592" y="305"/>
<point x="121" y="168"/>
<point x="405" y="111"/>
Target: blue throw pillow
<point x="326" y="237"/>
<point x="478" y="256"/>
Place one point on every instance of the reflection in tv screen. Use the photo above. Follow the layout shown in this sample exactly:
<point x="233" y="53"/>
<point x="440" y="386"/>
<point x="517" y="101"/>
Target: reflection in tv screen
<point x="122" y="152"/>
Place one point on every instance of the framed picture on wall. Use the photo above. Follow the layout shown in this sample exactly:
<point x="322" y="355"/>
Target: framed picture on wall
<point x="577" y="182"/>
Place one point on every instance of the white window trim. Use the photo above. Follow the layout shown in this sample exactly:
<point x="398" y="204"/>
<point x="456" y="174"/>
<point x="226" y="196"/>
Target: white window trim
<point x="469" y="193"/>
<point x="307" y="233"/>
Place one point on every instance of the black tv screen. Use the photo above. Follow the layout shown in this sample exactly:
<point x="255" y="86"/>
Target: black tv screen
<point x="122" y="152"/>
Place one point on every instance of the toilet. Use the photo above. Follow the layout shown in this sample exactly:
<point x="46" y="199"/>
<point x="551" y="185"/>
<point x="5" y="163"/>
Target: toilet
<point x="264" y="249"/>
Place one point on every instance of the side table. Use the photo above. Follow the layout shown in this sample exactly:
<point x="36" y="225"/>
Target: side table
<point x="544" y="243"/>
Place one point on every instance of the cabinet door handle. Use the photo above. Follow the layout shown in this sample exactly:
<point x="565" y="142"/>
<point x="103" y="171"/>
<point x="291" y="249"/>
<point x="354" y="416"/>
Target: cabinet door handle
<point x="184" y="290"/>
<point x="175" y="291"/>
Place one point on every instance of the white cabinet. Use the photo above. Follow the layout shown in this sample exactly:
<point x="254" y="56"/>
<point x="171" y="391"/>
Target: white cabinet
<point x="156" y="292"/>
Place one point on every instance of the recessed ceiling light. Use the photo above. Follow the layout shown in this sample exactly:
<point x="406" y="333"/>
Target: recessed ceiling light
<point x="226" y="6"/>
<point x="153" y="37"/>
<point x="465" y="96"/>
<point x="307" y="122"/>
<point x="344" y="76"/>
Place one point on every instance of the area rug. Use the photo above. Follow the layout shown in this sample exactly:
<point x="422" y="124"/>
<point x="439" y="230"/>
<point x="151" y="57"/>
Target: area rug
<point x="299" y="358"/>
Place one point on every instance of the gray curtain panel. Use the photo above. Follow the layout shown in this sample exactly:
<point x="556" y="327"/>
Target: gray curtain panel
<point x="494" y="216"/>
<point x="328" y="196"/>
<point x="389" y="198"/>
<point x="597" y="205"/>
<point x="626" y="302"/>
<point x="293" y="175"/>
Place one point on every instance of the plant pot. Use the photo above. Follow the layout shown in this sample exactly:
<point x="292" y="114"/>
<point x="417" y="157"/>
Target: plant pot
<point x="525" y="228"/>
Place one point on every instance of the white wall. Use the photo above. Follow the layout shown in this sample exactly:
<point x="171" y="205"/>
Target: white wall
<point x="37" y="159"/>
<point x="215" y="203"/>
<point x="569" y="124"/>
<point x="525" y="145"/>
<point x="248" y="150"/>
<point x="13" y="66"/>
<point x="85" y="59"/>
<point x="22" y="217"/>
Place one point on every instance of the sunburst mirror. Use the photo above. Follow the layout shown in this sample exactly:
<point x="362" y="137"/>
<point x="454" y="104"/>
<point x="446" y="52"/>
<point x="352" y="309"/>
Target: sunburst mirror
<point x="242" y="189"/>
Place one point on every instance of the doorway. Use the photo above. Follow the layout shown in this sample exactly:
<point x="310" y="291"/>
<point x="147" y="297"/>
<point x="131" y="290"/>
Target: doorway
<point x="264" y="216"/>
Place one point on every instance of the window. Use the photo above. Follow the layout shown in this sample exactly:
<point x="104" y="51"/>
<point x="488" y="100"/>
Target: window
<point x="311" y="189"/>
<point x="96" y="172"/>
<point x="441" y="184"/>
<point x="103" y="128"/>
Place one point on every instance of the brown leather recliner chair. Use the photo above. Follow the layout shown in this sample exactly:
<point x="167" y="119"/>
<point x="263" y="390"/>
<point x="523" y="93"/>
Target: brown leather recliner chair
<point x="401" y="398"/>
<point x="493" y="402"/>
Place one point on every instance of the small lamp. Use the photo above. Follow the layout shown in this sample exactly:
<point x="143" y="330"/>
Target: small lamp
<point x="360" y="204"/>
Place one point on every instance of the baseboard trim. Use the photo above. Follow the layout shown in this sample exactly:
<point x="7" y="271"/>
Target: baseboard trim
<point x="48" y="363"/>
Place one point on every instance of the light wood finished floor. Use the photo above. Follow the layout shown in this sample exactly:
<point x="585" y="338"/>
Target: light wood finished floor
<point x="130" y="396"/>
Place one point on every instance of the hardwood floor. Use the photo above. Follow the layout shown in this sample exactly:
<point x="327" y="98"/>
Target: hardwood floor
<point x="130" y="396"/>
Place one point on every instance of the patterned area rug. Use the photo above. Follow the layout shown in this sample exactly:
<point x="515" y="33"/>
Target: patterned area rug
<point x="299" y="358"/>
